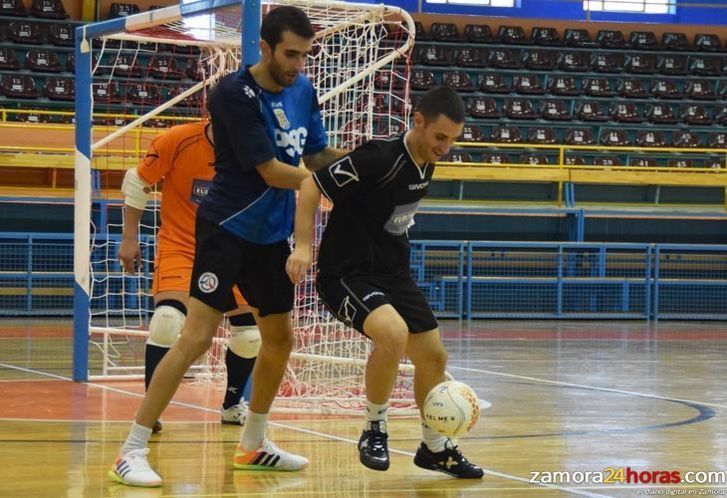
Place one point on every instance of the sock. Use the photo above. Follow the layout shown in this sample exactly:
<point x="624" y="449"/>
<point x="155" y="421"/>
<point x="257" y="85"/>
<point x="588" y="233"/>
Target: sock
<point x="376" y="413"/>
<point x="239" y="370"/>
<point x="254" y="431"/>
<point x="434" y="440"/>
<point x="138" y="438"/>
<point x="152" y="356"/>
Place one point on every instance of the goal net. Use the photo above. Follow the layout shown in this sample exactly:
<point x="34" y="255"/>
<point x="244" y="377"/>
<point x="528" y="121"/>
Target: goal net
<point x="140" y="75"/>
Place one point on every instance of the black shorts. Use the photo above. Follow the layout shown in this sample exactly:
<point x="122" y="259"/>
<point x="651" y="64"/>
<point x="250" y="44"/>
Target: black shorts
<point x="352" y="299"/>
<point x="222" y="260"/>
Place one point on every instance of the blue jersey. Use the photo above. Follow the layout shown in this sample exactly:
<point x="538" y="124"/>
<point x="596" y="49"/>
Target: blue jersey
<point x="252" y="126"/>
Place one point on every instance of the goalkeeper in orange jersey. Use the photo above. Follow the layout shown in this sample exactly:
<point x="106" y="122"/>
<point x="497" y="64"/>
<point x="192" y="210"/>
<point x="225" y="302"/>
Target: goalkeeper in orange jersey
<point x="183" y="158"/>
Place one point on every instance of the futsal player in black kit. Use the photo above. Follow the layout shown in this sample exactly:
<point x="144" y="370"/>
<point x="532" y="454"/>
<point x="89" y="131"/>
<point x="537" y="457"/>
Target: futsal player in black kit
<point x="363" y="264"/>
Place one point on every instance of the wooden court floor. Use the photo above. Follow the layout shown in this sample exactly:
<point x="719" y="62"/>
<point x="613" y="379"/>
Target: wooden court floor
<point x="567" y="397"/>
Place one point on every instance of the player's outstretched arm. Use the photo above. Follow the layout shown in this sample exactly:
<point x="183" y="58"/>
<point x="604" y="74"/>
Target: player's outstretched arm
<point x="305" y="216"/>
<point x="136" y="194"/>
<point x="323" y="158"/>
<point x="280" y="175"/>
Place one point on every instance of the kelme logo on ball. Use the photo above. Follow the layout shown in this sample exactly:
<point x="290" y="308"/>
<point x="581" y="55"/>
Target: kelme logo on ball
<point x="207" y="282"/>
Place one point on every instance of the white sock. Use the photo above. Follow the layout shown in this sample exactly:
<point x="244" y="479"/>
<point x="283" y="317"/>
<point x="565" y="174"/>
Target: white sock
<point x="376" y="413"/>
<point x="254" y="431"/>
<point x="138" y="438"/>
<point x="434" y="440"/>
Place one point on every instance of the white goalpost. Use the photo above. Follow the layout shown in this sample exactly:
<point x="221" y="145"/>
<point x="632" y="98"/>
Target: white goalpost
<point x="138" y="75"/>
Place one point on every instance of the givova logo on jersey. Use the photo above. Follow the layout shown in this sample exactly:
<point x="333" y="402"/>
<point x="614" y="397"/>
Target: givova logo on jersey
<point x="292" y="141"/>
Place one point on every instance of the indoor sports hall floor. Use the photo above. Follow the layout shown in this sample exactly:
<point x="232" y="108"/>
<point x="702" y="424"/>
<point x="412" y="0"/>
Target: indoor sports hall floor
<point x="568" y="397"/>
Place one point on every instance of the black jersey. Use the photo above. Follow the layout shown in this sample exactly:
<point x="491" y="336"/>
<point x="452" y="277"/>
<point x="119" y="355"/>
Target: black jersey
<point x="375" y="191"/>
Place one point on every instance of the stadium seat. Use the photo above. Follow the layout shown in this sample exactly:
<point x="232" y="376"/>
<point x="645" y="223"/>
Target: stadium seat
<point x="126" y="64"/>
<point x="505" y="58"/>
<point x="571" y="160"/>
<point x="706" y="66"/>
<point x="59" y="88"/>
<point x="99" y="43"/>
<point x="672" y="64"/>
<point x="574" y="61"/>
<point x="458" y="80"/>
<point x="505" y="135"/>
<point x="665" y="89"/>
<point x="642" y="162"/>
<point x="590" y="111"/>
<point x="700" y="90"/>
<point x="482" y="108"/>
<point x="44" y="61"/>
<point x="477" y="33"/>
<point x="720" y="114"/>
<point x="675" y="41"/>
<point x="421" y="33"/>
<point x="164" y="67"/>
<point x="718" y="162"/>
<point x="528" y="85"/>
<point x="143" y="94"/>
<point x="579" y="136"/>
<point x="660" y="114"/>
<point x="533" y="158"/>
<point x="641" y="64"/>
<point x="554" y="110"/>
<point x="632" y="89"/>
<point x="607" y="161"/>
<point x="384" y="79"/>
<point x="707" y="42"/>
<point x="445" y="32"/>
<point x="493" y="83"/>
<point x="685" y="139"/>
<point x="123" y="10"/>
<point x="717" y="139"/>
<point x="14" y="8"/>
<point x="679" y="163"/>
<point x="430" y="55"/>
<point x="541" y="60"/>
<point x="61" y="35"/>
<point x="519" y="109"/>
<point x="106" y="92"/>
<point x="650" y="138"/>
<point x="31" y="117"/>
<point x="512" y="35"/>
<point x="470" y="133"/>
<point x="579" y="38"/>
<point x="422" y="80"/>
<point x="459" y="157"/>
<point x="608" y="63"/>
<point x="470" y="57"/>
<point x="617" y="138"/>
<point x="49" y="9"/>
<point x="544" y="36"/>
<point x="696" y="114"/>
<point x="625" y="112"/>
<point x="542" y="135"/>
<point x="194" y="70"/>
<point x="496" y="158"/>
<point x="643" y="40"/>
<point x="196" y="99"/>
<point x="25" y="32"/>
<point x="597" y="87"/>
<point x="563" y="85"/>
<point x="722" y="90"/>
<point x="8" y="59"/>
<point x="18" y="86"/>
<point x="610" y="39"/>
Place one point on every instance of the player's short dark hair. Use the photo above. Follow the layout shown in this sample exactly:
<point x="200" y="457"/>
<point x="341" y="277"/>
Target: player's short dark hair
<point x="285" y="18"/>
<point x="441" y="100"/>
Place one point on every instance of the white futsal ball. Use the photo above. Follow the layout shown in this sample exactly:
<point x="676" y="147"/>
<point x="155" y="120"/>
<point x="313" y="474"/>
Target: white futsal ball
<point x="452" y="408"/>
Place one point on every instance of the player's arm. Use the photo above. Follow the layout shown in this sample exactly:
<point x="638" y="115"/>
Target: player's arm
<point x="280" y="175"/>
<point x="136" y="194"/>
<point x="323" y="158"/>
<point x="301" y="258"/>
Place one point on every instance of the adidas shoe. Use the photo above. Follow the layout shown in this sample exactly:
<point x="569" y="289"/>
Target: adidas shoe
<point x="133" y="469"/>
<point x="373" y="450"/>
<point x="450" y="461"/>
<point x="268" y="457"/>
<point x="236" y="414"/>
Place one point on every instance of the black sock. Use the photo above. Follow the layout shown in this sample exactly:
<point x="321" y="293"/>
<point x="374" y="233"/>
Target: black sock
<point x="238" y="372"/>
<point x="152" y="356"/>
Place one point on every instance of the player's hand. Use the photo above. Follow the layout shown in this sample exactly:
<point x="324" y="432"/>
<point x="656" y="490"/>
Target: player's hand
<point x="130" y="255"/>
<point x="298" y="263"/>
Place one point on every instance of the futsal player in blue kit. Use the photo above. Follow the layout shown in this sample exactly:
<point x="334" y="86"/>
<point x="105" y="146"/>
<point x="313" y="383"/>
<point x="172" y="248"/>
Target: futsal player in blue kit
<point x="364" y="278"/>
<point x="265" y="118"/>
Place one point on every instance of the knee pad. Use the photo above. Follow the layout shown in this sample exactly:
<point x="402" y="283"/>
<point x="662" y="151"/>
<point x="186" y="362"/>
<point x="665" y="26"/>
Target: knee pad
<point x="244" y="341"/>
<point x="165" y="326"/>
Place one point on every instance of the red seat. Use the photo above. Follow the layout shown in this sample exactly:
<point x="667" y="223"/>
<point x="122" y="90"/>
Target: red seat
<point x="164" y="67"/>
<point x="707" y="42"/>
<point x="626" y="112"/>
<point x="471" y="133"/>
<point x="700" y="90"/>
<point x="123" y="10"/>
<point x="705" y="66"/>
<point x="615" y="138"/>
<point x="574" y="61"/>
<point x="661" y="113"/>
<point x="143" y="94"/>
<point x="696" y="114"/>
<point x="608" y="63"/>
<point x="458" y="80"/>
<point x="14" y="8"/>
<point x="505" y="58"/>
<point x="477" y="33"/>
<point x="650" y="138"/>
<point x="194" y="70"/>
<point x="562" y="85"/>
<point x="544" y="36"/>
<point x="459" y="157"/>
<point x="496" y="158"/>
<point x="665" y="89"/>
<point x="493" y="83"/>
<point x="643" y="40"/>
<point x="8" y="59"/>
<point x="579" y="38"/>
<point x="445" y="31"/>
<point x="422" y="80"/>
<point x="632" y="89"/>
<point x="389" y="79"/>
<point x="541" y="60"/>
<point x="579" y="136"/>
<point x="59" y="88"/>
<point x="41" y="60"/>
<point x="685" y="139"/>
<point x="469" y="57"/>
<point x="607" y="161"/>
<point x="18" y="86"/>
<point x="61" y="35"/>
<point x="554" y="110"/>
<point x="610" y="39"/>
<point x="49" y="9"/>
<point x="679" y="163"/>
<point x="126" y="65"/>
<point x="25" y="32"/>
<point x="195" y="100"/>
<point x="598" y="87"/>
<point x="506" y="134"/>
<point x="542" y="135"/>
<point x="716" y="162"/>
<point x="519" y="109"/>
<point x="512" y="35"/>
<point x="533" y="159"/>
<point x="641" y="64"/>
<point x="528" y="84"/>
<point x="482" y="108"/>
<point x="106" y="92"/>
<point x="590" y="111"/>
<point x="672" y="64"/>
<point x="675" y="41"/>
<point x="432" y="56"/>
<point x="570" y="160"/>
<point x="717" y="140"/>
<point x="642" y="162"/>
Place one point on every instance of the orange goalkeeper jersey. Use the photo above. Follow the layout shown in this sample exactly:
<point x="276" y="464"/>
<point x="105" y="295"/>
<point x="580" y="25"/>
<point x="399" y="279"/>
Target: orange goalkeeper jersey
<point x="184" y="158"/>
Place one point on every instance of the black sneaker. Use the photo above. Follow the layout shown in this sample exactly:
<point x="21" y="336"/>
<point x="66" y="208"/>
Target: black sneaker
<point x="372" y="448"/>
<point x="450" y="461"/>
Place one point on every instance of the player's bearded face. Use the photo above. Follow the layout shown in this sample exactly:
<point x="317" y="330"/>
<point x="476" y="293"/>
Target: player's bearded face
<point x="288" y="58"/>
<point x="439" y="135"/>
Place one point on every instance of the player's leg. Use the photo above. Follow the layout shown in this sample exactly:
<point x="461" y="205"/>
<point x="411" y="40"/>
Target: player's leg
<point x="242" y="350"/>
<point x="267" y="288"/>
